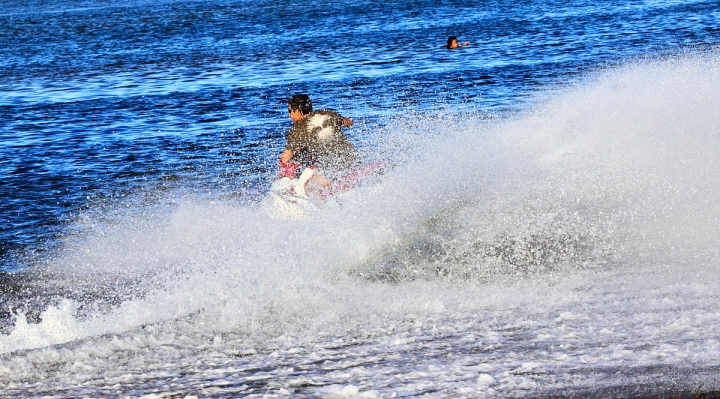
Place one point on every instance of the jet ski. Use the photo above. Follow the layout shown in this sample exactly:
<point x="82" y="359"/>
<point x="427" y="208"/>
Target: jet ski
<point x="291" y="198"/>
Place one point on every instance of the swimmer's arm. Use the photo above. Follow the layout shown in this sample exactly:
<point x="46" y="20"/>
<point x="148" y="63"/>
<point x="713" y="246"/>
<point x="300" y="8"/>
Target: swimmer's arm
<point x="464" y="44"/>
<point x="285" y="157"/>
<point x="347" y="122"/>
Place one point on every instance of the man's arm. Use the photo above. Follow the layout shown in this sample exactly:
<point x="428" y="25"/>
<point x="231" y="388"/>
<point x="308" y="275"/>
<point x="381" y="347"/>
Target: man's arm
<point x="285" y="157"/>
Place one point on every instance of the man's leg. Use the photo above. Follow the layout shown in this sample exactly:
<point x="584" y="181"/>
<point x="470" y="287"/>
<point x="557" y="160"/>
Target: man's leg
<point x="317" y="186"/>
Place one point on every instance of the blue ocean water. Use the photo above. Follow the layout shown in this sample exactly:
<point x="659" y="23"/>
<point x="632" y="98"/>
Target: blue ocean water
<point x="547" y="228"/>
<point x="99" y="100"/>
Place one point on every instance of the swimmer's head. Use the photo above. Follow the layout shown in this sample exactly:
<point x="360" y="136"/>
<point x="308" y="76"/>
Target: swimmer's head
<point x="452" y="42"/>
<point x="299" y="105"/>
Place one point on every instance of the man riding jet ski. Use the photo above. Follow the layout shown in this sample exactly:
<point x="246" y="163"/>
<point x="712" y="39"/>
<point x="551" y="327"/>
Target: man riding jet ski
<point x="318" y="160"/>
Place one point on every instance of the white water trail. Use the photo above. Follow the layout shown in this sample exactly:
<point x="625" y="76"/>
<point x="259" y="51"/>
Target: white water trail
<point x="605" y="194"/>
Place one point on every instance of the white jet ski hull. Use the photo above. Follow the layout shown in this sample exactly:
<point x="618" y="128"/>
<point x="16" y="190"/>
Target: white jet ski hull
<point x="288" y="198"/>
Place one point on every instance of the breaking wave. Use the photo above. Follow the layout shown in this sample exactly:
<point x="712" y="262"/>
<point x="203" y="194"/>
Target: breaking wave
<point x="616" y="171"/>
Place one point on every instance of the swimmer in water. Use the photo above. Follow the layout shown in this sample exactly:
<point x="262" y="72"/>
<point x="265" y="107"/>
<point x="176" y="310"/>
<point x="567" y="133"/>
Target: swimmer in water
<point x="452" y="43"/>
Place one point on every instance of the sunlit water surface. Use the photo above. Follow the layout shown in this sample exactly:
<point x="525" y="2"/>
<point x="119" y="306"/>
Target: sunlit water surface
<point x="548" y="225"/>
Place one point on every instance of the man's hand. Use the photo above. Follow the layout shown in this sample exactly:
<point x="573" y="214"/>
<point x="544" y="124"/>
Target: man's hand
<point x="347" y="121"/>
